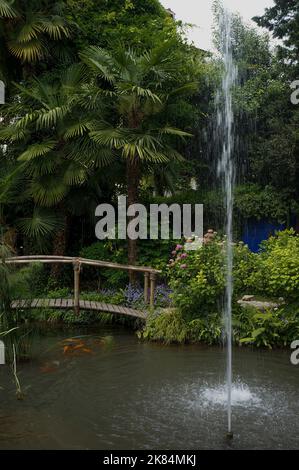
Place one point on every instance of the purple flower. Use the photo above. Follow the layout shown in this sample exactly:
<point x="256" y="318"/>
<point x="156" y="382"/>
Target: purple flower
<point x="183" y="255"/>
<point x="178" y="247"/>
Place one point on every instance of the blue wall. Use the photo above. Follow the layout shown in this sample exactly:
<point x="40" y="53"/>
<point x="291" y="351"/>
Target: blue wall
<point x="256" y="231"/>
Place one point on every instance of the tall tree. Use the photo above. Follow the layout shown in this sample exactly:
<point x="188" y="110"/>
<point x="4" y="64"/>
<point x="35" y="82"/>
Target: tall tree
<point x="283" y="21"/>
<point x="136" y="87"/>
<point x="31" y="32"/>
<point x="50" y="156"/>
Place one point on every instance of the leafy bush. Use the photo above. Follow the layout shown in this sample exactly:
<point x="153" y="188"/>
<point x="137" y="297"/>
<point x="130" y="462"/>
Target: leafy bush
<point x="198" y="278"/>
<point x="250" y="327"/>
<point x="265" y="329"/>
<point x="168" y="327"/>
<point x="276" y="272"/>
<point x="62" y="293"/>
<point x="152" y="253"/>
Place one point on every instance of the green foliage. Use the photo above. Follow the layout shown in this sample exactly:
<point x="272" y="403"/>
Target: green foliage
<point x="168" y="327"/>
<point x="197" y="280"/>
<point x="207" y="330"/>
<point x="61" y="293"/>
<point x="153" y="253"/>
<point x="282" y="19"/>
<point x="116" y="298"/>
<point x="270" y="329"/>
<point x="113" y="251"/>
<point x="253" y="201"/>
<point x="134" y="23"/>
<point x="276" y="273"/>
<point x="265" y="329"/>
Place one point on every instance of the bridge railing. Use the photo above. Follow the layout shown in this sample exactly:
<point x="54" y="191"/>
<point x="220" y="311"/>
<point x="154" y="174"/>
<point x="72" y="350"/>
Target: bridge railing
<point x="150" y="274"/>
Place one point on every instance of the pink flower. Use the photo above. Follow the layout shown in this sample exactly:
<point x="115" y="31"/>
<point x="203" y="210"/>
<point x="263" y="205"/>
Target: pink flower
<point x="173" y="253"/>
<point x="183" y="255"/>
<point x="178" y="247"/>
<point x="183" y="266"/>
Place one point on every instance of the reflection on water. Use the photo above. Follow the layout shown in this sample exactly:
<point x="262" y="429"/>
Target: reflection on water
<point x="104" y="389"/>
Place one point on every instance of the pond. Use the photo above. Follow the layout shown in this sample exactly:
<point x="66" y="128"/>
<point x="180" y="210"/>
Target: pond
<point x="104" y="389"/>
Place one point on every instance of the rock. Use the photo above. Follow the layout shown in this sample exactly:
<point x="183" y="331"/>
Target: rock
<point x="258" y="305"/>
<point x="247" y="298"/>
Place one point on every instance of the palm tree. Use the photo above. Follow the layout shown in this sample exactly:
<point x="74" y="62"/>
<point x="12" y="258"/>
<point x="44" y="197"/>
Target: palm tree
<point x="29" y="32"/>
<point x="137" y="88"/>
<point x="52" y="162"/>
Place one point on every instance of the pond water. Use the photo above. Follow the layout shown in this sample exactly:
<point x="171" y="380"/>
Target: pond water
<point x="104" y="389"/>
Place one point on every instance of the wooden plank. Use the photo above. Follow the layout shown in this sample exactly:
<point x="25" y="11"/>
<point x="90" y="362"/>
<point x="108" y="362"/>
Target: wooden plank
<point x="34" y="303"/>
<point x="84" y="304"/>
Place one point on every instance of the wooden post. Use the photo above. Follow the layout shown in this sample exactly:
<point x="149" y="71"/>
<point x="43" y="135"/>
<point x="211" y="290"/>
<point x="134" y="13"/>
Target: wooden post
<point x="152" y="291"/>
<point x="77" y="286"/>
<point x="146" y="285"/>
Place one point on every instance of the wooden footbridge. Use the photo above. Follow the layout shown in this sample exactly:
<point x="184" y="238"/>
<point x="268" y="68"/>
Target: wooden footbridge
<point x="150" y="276"/>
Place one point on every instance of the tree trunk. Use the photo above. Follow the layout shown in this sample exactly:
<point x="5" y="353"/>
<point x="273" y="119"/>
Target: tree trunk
<point x="59" y="248"/>
<point x="133" y="181"/>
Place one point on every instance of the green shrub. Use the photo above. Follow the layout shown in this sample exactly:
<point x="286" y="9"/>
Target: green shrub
<point x="169" y="327"/>
<point x="207" y="330"/>
<point x="198" y="278"/>
<point x="268" y="329"/>
<point x="62" y="293"/>
<point x="152" y="253"/>
<point x="276" y="272"/>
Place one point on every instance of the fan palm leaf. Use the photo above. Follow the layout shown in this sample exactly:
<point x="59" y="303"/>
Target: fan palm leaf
<point x="6" y="10"/>
<point x="41" y="223"/>
<point x="37" y="150"/>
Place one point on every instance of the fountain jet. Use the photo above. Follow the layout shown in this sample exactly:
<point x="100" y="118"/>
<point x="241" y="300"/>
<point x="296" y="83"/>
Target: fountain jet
<point x="226" y="170"/>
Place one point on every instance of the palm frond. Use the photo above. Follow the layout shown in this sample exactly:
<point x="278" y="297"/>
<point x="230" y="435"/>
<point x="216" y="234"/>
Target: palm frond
<point x="42" y="223"/>
<point x="140" y="92"/>
<point x="78" y="129"/>
<point x="12" y="134"/>
<point x="187" y="89"/>
<point x="55" y="27"/>
<point x="37" y="150"/>
<point x="74" y="174"/>
<point x="100" y="61"/>
<point x="89" y="153"/>
<point x="29" y="51"/>
<point x="48" y="190"/>
<point x="43" y="166"/>
<point x="6" y="10"/>
<point x="112" y="137"/>
<point x="29" y="30"/>
<point x="174" y="131"/>
<point x="24" y="121"/>
<point x="48" y="118"/>
<point x="12" y="185"/>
